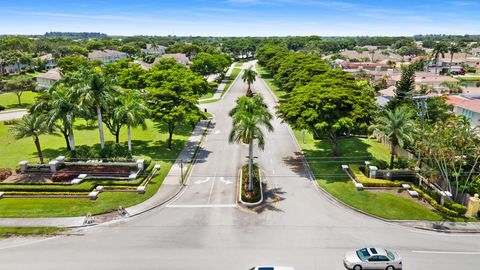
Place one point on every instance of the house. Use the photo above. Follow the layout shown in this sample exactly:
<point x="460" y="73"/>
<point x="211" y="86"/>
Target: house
<point x="365" y="65"/>
<point x="49" y="60"/>
<point x="106" y="56"/>
<point x="158" y="49"/>
<point x="47" y="79"/>
<point x="181" y="58"/>
<point x="426" y="78"/>
<point x="469" y="107"/>
<point x="12" y="68"/>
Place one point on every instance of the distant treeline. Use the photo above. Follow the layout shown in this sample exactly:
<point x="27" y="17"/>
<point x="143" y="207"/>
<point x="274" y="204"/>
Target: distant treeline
<point x="75" y="35"/>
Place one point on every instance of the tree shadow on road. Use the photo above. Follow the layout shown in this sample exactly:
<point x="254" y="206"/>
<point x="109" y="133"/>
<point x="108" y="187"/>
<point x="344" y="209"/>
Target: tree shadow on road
<point x="271" y="198"/>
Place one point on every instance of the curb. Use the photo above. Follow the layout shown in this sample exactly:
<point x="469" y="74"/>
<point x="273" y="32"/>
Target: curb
<point x="224" y="92"/>
<point x="240" y="191"/>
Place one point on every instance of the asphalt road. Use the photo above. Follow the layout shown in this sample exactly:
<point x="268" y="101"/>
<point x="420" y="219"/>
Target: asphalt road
<point x="203" y="229"/>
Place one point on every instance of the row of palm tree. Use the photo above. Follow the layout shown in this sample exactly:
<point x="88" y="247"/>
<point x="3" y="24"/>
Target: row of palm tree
<point x="249" y="116"/>
<point x="81" y="94"/>
<point x="441" y="48"/>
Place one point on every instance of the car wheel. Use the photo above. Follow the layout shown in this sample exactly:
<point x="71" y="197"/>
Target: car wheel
<point x="390" y="267"/>
<point x="357" y="267"/>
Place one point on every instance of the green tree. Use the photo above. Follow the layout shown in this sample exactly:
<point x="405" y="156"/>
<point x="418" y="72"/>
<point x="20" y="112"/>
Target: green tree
<point x="18" y="85"/>
<point x="453" y="48"/>
<point x="439" y="49"/>
<point x="398" y="126"/>
<point x="33" y="126"/>
<point x="94" y="91"/>
<point x="133" y="113"/>
<point x="249" y="76"/>
<point x="248" y="116"/>
<point x="173" y="95"/>
<point x="405" y="88"/>
<point x="330" y="106"/>
<point x="72" y="63"/>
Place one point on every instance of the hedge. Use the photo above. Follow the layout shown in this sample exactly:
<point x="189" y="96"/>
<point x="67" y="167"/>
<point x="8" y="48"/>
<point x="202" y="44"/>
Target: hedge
<point x="46" y="193"/>
<point x="435" y="204"/>
<point x="372" y="182"/>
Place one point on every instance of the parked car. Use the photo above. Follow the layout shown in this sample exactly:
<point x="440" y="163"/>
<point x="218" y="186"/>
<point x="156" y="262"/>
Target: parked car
<point x="372" y="258"/>
<point x="461" y="72"/>
<point x="272" y="268"/>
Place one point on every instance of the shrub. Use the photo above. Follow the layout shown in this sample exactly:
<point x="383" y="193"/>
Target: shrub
<point x="254" y="195"/>
<point x="455" y="207"/>
<point x="435" y="204"/>
<point x="5" y="173"/>
<point x="9" y="122"/>
<point x="402" y="163"/>
<point x="372" y="182"/>
<point x="381" y="164"/>
<point x="111" y="151"/>
<point x="2" y="108"/>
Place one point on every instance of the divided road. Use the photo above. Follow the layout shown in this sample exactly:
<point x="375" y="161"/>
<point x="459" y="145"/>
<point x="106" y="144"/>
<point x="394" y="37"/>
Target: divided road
<point x="203" y="229"/>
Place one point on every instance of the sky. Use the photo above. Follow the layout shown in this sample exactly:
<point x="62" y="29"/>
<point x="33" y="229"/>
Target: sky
<point x="242" y="17"/>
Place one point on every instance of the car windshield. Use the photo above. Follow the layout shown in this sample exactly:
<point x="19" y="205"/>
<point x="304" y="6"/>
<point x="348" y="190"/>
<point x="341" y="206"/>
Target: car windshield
<point x="390" y="255"/>
<point x="363" y="254"/>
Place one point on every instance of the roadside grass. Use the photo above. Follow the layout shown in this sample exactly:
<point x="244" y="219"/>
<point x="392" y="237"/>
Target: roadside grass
<point x="329" y="175"/>
<point x="29" y="231"/>
<point x="268" y="78"/>
<point x="231" y="79"/>
<point x="10" y="100"/>
<point x="149" y="143"/>
<point x="238" y="64"/>
<point x="468" y="77"/>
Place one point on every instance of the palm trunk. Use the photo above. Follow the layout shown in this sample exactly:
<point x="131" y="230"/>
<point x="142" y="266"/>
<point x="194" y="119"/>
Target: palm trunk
<point x="451" y="60"/>
<point x="117" y="137"/>
<point x="392" y="154"/>
<point x="67" y="141"/>
<point x="100" y="127"/>
<point x="71" y="138"/>
<point x="129" y="139"/>
<point x="39" y="149"/>
<point x="250" y="166"/>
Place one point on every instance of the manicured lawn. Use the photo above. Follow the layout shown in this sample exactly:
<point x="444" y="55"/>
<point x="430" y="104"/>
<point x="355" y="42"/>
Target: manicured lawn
<point x="146" y="143"/>
<point x="10" y="100"/>
<point x="268" y="78"/>
<point x="330" y="177"/>
<point x="29" y="231"/>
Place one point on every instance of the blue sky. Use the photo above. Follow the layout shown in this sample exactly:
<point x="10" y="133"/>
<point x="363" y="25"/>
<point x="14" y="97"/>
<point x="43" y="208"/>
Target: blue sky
<point x="242" y="17"/>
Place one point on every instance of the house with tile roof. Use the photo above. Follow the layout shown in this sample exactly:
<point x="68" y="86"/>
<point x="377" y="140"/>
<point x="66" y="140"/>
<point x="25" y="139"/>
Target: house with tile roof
<point x="106" y="56"/>
<point x="47" y="79"/>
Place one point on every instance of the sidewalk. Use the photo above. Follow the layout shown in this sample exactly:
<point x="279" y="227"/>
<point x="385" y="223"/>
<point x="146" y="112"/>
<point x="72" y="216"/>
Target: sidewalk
<point x="443" y="226"/>
<point x="218" y="94"/>
<point x="170" y="187"/>
<point x="12" y="114"/>
<point x="172" y="184"/>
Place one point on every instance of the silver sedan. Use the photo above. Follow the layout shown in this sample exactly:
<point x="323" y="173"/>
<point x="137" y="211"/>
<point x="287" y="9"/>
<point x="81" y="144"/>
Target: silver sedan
<point x="372" y="258"/>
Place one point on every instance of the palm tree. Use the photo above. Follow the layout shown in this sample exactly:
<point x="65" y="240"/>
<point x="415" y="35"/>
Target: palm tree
<point x="94" y="92"/>
<point x="398" y="126"/>
<point x="439" y="49"/>
<point x="33" y="126"/>
<point x="249" y="77"/>
<point x="453" y="48"/>
<point x="248" y="116"/>
<point x="133" y="113"/>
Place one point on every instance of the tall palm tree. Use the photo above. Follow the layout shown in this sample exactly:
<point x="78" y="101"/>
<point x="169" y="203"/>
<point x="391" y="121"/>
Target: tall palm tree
<point x="94" y="92"/>
<point x="398" y="125"/>
<point x="33" y="126"/>
<point x="453" y="48"/>
<point x="439" y="49"/>
<point x="248" y="116"/>
<point x="249" y="76"/>
<point x="133" y="113"/>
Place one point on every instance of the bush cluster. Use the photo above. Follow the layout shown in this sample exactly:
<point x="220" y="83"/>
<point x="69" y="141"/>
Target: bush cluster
<point x="435" y="204"/>
<point x="372" y="182"/>
<point x="110" y="151"/>
<point x="9" y="122"/>
<point x="254" y="195"/>
<point x="2" y="108"/>
<point x="5" y="173"/>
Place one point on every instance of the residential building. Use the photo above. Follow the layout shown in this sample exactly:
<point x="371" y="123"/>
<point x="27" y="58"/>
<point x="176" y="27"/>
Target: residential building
<point x="365" y="65"/>
<point x="179" y="57"/>
<point x="47" y="79"/>
<point x="106" y="56"/>
<point x="158" y="49"/>
<point x="429" y="79"/>
<point x="469" y="107"/>
<point x="49" y="59"/>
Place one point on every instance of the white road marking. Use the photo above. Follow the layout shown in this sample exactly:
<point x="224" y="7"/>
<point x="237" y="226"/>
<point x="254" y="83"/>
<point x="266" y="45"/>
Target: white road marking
<point x="216" y="132"/>
<point x="202" y="181"/>
<point x="448" y="252"/>
<point x="201" y="205"/>
<point x="228" y="182"/>
<point x="273" y="172"/>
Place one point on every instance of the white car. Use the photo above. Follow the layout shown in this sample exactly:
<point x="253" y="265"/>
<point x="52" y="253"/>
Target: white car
<point x="272" y="268"/>
<point x="372" y="258"/>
